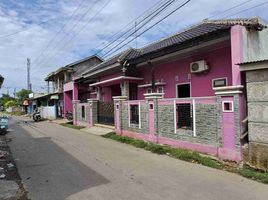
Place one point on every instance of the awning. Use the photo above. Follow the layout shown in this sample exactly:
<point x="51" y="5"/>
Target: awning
<point x="116" y="80"/>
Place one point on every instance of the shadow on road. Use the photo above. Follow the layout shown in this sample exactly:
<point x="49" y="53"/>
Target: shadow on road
<point x="47" y="170"/>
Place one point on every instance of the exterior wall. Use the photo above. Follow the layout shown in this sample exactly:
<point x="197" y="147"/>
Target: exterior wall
<point x="68" y="98"/>
<point x="220" y="65"/>
<point x="255" y="44"/>
<point x="80" y="120"/>
<point x="48" y="112"/>
<point x="257" y="95"/>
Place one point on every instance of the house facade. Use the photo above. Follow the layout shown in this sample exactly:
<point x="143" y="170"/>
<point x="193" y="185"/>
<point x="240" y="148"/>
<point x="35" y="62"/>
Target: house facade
<point x="186" y="90"/>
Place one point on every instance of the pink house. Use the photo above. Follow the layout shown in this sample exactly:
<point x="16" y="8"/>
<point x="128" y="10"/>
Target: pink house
<point x="185" y="90"/>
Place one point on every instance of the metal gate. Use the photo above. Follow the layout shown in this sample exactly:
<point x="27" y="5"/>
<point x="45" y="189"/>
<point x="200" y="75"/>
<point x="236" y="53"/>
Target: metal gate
<point x="106" y="113"/>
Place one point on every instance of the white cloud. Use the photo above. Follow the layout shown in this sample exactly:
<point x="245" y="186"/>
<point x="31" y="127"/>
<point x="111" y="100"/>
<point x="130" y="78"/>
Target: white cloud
<point x="27" y="15"/>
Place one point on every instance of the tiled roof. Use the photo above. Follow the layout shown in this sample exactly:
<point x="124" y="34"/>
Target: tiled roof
<point x="206" y="27"/>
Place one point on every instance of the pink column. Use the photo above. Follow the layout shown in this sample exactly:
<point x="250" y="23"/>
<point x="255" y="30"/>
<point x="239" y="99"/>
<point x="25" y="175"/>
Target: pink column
<point x="151" y="115"/>
<point x="75" y="92"/>
<point x="237" y="53"/>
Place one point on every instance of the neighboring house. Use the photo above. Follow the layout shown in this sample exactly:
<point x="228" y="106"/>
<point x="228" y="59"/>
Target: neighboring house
<point x="186" y="90"/>
<point x="1" y="80"/>
<point x="256" y="153"/>
<point x="75" y="88"/>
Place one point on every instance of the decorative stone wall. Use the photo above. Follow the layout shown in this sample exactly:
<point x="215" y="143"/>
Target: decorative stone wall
<point x="257" y="95"/>
<point x="135" y="127"/>
<point x="206" y="124"/>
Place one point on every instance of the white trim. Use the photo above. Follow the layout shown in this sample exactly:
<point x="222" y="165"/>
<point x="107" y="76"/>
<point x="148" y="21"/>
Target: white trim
<point x="116" y="79"/>
<point x="175" y="117"/>
<point x="215" y="79"/>
<point x="162" y="89"/>
<point x="176" y="88"/>
<point x="147" y="90"/>
<point x="129" y="115"/>
<point x="150" y="84"/>
<point x="194" y="121"/>
<point x="139" y="115"/>
<point x="232" y="106"/>
<point x="200" y="98"/>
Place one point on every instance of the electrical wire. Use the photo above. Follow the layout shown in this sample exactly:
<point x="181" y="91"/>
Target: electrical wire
<point x="176" y="9"/>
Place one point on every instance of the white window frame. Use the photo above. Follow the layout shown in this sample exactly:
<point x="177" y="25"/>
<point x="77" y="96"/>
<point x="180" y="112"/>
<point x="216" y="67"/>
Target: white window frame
<point x="147" y="90"/>
<point x="216" y="79"/>
<point x="176" y="88"/>
<point x="129" y="110"/>
<point x="160" y="87"/>
<point x="228" y="111"/>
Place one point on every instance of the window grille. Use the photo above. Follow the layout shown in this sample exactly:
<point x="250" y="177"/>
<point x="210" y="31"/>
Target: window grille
<point x="185" y="116"/>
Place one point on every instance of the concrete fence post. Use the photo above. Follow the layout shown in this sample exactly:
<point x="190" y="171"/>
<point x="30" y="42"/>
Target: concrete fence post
<point x="75" y="102"/>
<point x="118" y="102"/>
<point x="229" y="122"/>
<point x="93" y="111"/>
<point x="152" y="101"/>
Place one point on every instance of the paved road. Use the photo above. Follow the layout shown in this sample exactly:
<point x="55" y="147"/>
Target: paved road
<point x="59" y="163"/>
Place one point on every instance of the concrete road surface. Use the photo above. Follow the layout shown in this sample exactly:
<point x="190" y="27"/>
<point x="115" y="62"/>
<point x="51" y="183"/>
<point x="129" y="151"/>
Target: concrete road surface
<point x="59" y="163"/>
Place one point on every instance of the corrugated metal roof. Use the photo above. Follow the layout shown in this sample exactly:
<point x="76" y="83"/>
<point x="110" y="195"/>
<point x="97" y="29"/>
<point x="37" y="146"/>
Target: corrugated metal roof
<point x="253" y="62"/>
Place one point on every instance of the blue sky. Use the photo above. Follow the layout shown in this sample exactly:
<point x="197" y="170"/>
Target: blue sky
<point x="82" y="34"/>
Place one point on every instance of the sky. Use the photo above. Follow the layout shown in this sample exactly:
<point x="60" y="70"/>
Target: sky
<point x="54" y="33"/>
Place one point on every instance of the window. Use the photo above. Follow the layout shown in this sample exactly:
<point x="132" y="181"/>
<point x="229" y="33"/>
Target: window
<point x="83" y="111"/>
<point x="149" y="90"/>
<point x="160" y="89"/>
<point x="227" y="106"/>
<point x="220" y="82"/>
<point x="184" y="90"/>
<point x="184" y="116"/>
<point x="134" y="114"/>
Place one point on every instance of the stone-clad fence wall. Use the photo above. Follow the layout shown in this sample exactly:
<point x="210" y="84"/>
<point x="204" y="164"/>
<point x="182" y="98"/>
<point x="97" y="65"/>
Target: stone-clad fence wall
<point x="210" y="125"/>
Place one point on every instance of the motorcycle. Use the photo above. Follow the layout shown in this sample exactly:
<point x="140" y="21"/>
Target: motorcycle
<point x="36" y="116"/>
<point x="69" y="115"/>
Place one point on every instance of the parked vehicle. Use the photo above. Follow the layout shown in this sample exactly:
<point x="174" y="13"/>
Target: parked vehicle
<point x="3" y="125"/>
<point x="36" y="116"/>
<point x="69" y="115"/>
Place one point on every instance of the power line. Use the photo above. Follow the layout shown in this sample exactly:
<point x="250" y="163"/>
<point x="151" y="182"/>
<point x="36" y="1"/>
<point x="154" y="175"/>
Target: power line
<point x="236" y="6"/>
<point x="81" y="29"/>
<point x="162" y="8"/>
<point x="176" y="9"/>
<point x="261" y="4"/>
<point x="60" y="30"/>
<point x="137" y="23"/>
<point x="81" y="17"/>
<point x="121" y="31"/>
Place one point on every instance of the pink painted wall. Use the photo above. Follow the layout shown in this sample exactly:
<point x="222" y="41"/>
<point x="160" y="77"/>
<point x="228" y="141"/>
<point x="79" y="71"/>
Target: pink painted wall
<point x="68" y="86"/>
<point x="68" y="105"/>
<point x="218" y="60"/>
<point x="106" y="94"/>
<point x="237" y="53"/>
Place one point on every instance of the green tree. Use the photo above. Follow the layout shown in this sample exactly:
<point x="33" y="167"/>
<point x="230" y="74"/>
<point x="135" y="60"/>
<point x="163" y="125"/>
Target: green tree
<point x="22" y="95"/>
<point x="5" y="98"/>
<point x="10" y="103"/>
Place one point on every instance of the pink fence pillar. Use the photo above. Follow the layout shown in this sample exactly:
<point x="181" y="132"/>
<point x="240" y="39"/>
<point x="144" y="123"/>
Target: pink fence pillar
<point x="152" y="100"/>
<point x="75" y="92"/>
<point x="228" y="99"/>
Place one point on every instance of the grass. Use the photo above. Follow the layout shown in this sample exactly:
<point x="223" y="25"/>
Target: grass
<point x="191" y="156"/>
<point x="70" y="125"/>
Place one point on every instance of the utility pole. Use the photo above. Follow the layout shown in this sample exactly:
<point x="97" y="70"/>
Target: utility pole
<point x="14" y="93"/>
<point x="29" y="87"/>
